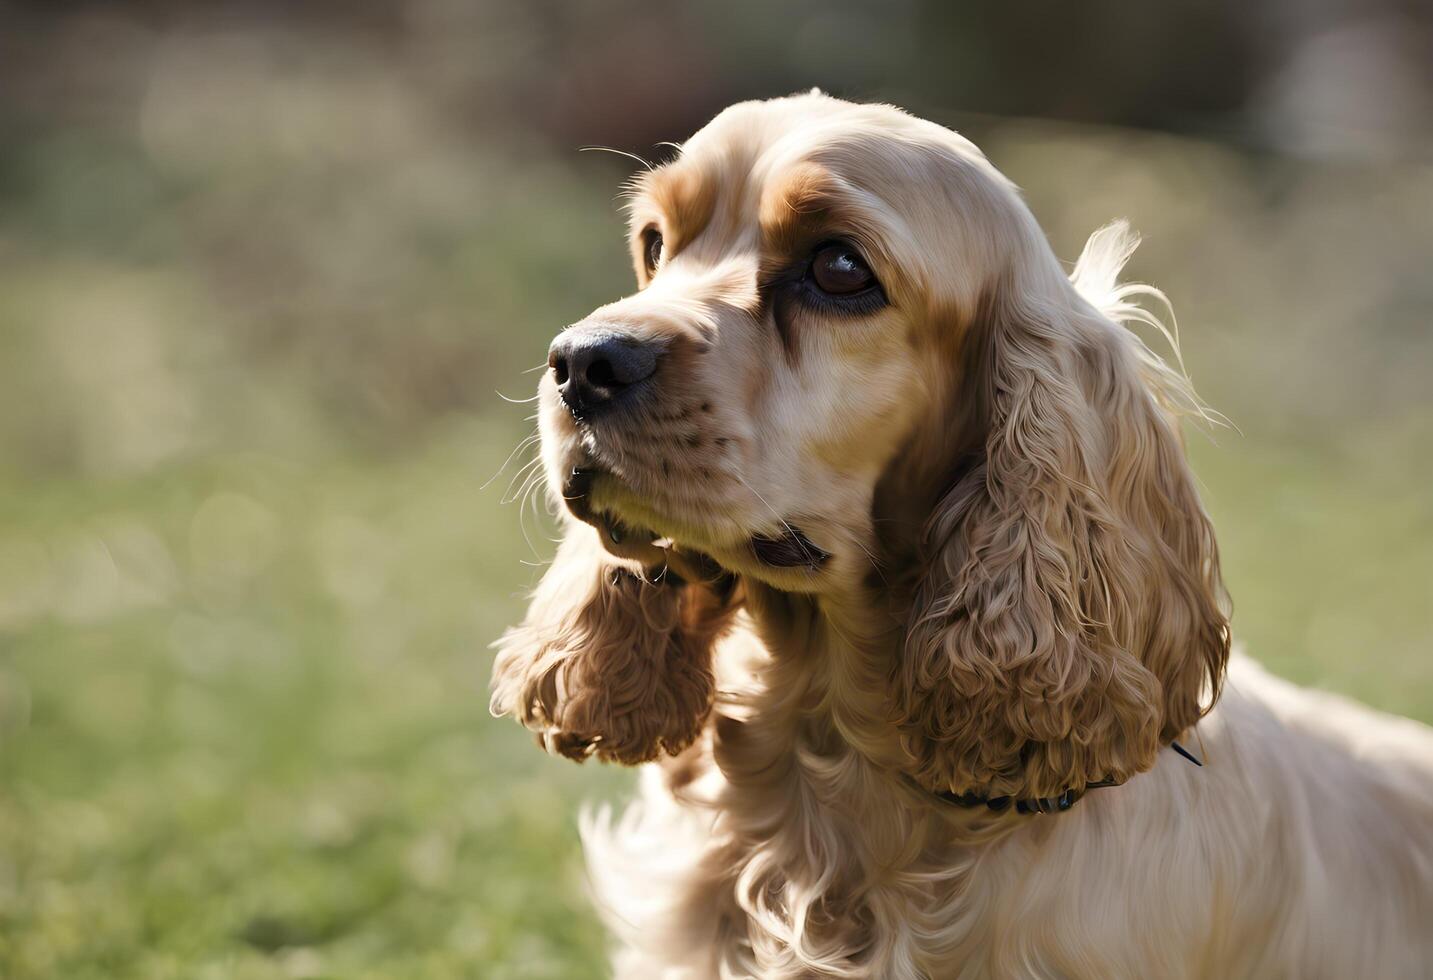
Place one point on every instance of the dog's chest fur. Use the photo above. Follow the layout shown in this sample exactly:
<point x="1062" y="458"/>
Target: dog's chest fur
<point x="776" y="849"/>
<point x="797" y="856"/>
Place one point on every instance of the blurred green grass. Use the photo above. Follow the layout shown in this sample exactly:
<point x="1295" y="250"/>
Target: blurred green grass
<point x="249" y="572"/>
<point x="249" y="738"/>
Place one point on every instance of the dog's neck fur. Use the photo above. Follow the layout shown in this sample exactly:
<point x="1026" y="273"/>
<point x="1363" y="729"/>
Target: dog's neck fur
<point x="824" y="827"/>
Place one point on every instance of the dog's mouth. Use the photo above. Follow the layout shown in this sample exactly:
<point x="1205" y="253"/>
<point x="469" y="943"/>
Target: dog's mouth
<point x="617" y="535"/>
<point x="789" y="549"/>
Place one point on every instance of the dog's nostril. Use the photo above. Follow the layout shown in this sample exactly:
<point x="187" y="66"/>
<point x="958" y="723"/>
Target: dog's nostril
<point x="600" y="374"/>
<point x="593" y="368"/>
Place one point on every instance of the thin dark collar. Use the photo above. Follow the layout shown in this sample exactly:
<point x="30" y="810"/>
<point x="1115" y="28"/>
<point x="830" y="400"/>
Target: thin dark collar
<point x="1045" y="804"/>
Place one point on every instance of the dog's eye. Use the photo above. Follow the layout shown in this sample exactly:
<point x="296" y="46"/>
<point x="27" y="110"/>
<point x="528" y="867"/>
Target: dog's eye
<point x="840" y="271"/>
<point x="652" y="249"/>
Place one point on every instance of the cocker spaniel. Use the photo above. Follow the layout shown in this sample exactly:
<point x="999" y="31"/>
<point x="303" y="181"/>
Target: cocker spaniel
<point x="882" y="549"/>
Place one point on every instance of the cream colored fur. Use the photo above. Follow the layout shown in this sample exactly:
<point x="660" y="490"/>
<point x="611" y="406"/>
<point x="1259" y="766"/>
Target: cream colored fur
<point x="1302" y="849"/>
<point x="1022" y="598"/>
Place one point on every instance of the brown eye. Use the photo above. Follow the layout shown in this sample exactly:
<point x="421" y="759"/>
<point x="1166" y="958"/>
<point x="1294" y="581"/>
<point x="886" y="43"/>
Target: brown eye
<point x="652" y="249"/>
<point x="840" y="271"/>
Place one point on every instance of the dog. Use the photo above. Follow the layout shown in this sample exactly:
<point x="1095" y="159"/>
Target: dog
<point x="883" y="555"/>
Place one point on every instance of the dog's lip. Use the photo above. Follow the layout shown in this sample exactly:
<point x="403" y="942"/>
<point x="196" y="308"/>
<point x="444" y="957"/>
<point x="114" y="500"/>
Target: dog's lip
<point x="576" y="493"/>
<point x="790" y="549"/>
<point x="575" y="490"/>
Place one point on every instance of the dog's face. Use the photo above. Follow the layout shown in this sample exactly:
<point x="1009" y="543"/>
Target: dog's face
<point x="803" y="269"/>
<point x="853" y="351"/>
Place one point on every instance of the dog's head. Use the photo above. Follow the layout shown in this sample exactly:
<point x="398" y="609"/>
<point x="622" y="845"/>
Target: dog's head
<point x="852" y="359"/>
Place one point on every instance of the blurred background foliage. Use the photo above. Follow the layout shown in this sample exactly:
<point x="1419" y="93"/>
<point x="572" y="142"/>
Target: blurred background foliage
<point x="265" y="269"/>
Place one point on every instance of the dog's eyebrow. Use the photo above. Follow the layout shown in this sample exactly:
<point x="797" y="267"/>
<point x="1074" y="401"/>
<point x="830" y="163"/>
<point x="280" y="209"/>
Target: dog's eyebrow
<point x="809" y="200"/>
<point x="805" y="194"/>
<point x="680" y="197"/>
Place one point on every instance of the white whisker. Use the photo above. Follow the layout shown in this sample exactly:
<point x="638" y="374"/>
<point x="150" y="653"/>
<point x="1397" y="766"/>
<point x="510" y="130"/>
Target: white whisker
<point x="520" y="478"/>
<point x="516" y="449"/>
<point x="810" y="558"/>
<point x="620" y="153"/>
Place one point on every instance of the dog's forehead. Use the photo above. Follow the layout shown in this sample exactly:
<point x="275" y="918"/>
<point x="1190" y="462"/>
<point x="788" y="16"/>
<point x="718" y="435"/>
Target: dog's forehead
<point x="758" y="141"/>
<point x="759" y="125"/>
<point x="760" y="150"/>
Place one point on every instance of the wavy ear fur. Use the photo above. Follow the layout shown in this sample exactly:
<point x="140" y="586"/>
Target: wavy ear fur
<point x="1071" y="613"/>
<point x="608" y="663"/>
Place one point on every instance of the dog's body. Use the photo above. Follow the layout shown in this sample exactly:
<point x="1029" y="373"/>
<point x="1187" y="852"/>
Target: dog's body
<point x="1302" y="849"/>
<point x="884" y="539"/>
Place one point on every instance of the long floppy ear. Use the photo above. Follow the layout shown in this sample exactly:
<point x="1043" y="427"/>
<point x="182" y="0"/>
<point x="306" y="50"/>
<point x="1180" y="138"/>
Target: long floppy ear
<point x="1071" y="614"/>
<point x="611" y="660"/>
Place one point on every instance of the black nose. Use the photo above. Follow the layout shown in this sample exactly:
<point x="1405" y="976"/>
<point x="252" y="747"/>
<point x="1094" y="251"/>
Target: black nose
<point x="595" y="369"/>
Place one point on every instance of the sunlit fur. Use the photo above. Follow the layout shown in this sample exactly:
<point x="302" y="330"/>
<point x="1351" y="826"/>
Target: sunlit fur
<point x="605" y="664"/>
<point x="1023" y="597"/>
